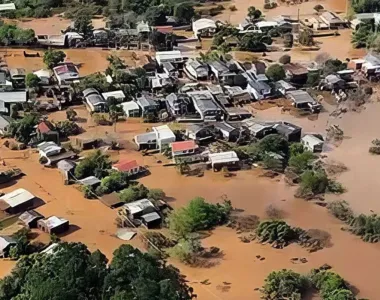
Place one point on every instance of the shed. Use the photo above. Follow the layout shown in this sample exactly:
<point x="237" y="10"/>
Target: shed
<point x="284" y="87"/>
<point x="151" y="220"/>
<point x="174" y="56"/>
<point x="221" y="159"/>
<point x="53" y="224"/>
<point x="66" y="167"/>
<point x="47" y="149"/>
<point x="16" y="201"/>
<point x="332" y="20"/>
<point x="30" y="218"/>
<point x="199" y="132"/>
<point x="259" y="129"/>
<point x="296" y="72"/>
<point x="6" y="242"/>
<point x="118" y="95"/>
<point x="312" y="143"/>
<point x="111" y="200"/>
<point x="334" y="82"/>
<point x="131" y="109"/>
<point x="204" y="27"/>
<point x="291" y="132"/>
<point x="229" y="132"/>
<point x="303" y="100"/>
<point x="89" y="181"/>
<point x="138" y="208"/>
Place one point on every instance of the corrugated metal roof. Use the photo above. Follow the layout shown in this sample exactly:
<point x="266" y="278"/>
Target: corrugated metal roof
<point x="139" y="206"/>
<point x="89" y="181"/>
<point x="53" y="222"/>
<point x="17" y="197"/>
<point x="223" y="157"/>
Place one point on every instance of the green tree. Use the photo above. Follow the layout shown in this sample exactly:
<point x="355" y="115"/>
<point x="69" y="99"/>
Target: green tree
<point x="332" y="66"/>
<point x="22" y="129"/>
<point x="301" y="162"/>
<point x="306" y="37"/>
<point x="134" y="193"/>
<point x="184" y="12"/>
<point x="83" y="25"/>
<point x="285" y="284"/>
<point x="253" y="13"/>
<point x="313" y="183"/>
<point x="67" y="128"/>
<point x="366" y="6"/>
<point x="53" y="57"/>
<point x="32" y="80"/>
<point x="114" y="182"/>
<point x="156" y="15"/>
<point x="97" y="81"/>
<point x="276" y="72"/>
<point x="330" y="285"/>
<point x="96" y="164"/>
<point x="156" y="194"/>
<point x="252" y="42"/>
<point x="296" y="148"/>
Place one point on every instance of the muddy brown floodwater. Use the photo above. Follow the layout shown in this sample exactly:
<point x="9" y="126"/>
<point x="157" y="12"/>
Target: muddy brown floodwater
<point x="94" y="224"/>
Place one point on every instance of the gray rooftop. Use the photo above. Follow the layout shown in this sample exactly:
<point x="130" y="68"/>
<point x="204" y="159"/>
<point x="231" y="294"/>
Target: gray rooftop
<point x="89" y="181"/>
<point x="299" y="97"/>
<point x="219" y="66"/>
<point x="146" y="101"/>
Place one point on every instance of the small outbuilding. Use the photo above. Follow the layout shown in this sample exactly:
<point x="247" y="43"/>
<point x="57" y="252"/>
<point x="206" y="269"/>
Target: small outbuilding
<point x="30" y="218"/>
<point x="138" y="208"/>
<point x="90" y="181"/>
<point x="223" y="159"/>
<point x="53" y="225"/>
<point x="6" y="242"/>
<point x="228" y="131"/>
<point x="118" y="95"/>
<point x="111" y="200"/>
<point x="312" y="143"/>
<point x="17" y="201"/>
<point x="131" y="109"/>
<point x="151" y="220"/>
<point x="66" y="167"/>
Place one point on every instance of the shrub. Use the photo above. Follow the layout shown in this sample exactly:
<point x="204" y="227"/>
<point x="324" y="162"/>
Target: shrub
<point x="276" y="72"/>
<point x="88" y="192"/>
<point x="327" y="283"/>
<point x="285" y="284"/>
<point x="233" y="8"/>
<point x="96" y="164"/>
<point x="156" y="194"/>
<point x="368" y="227"/>
<point x="285" y="59"/>
<point x="114" y="182"/>
<point x="186" y="250"/>
<point x="335" y="187"/>
<point x="313" y="183"/>
<point x="318" y="7"/>
<point x="276" y="232"/>
<point x="301" y="162"/>
<point x="134" y="193"/>
<point x="341" y="210"/>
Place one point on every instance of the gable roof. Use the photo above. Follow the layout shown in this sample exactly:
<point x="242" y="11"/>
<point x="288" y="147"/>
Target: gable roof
<point x="17" y="197"/>
<point x="184" y="145"/>
<point x="44" y="127"/>
<point x="126" y="165"/>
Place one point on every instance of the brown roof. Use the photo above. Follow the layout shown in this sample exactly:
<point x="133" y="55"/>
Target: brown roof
<point x="295" y="69"/>
<point x="111" y="200"/>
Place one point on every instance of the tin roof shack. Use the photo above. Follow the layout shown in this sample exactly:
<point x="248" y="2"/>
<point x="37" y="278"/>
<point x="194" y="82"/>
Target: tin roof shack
<point x="17" y="201"/>
<point x="111" y="200"/>
<point x="142" y="210"/>
<point x="204" y="28"/>
<point x="296" y="73"/>
<point x="66" y="73"/>
<point x="223" y="159"/>
<point x="237" y="114"/>
<point x="284" y="87"/>
<point x="302" y="100"/>
<point x="237" y="95"/>
<point x="157" y="139"/>
<point x="258" y="129"/>
<point x="53" y="225"/>
<point x="185" y="151"/>
<point x="6" y="242"/>
<point x="205" y="105"/>
<point x="291" y="132"/>
<point x="196" y="70"/>
<point x="131" y="109"/>
<point x="312" y="143"/>
<point x="200" y="132"/>
<point x="94" y="101"/>
<point x="118" y="95"/>
<point x="333" y="82"/>
<point x="9" y="98"/>
<point x="147" y="104"/>
<point x="90" y="181"/>
<point x="174" y="57"/>
<point x="259" y="89"/>
<point x="18" y="76"/>
<point x="131" y="167"/>
<point x="30" y="218"/>
<point x="178" y="104"/>
<point x="66" y="167"/>
<point x="45" y="131"/>
<point x="332" y="20"/>
<point x="151" y="220"/>
<point x="228" y="131"/>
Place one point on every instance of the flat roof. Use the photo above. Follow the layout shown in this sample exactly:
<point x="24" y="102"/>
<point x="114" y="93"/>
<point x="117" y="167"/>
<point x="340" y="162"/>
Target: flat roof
<point x="299" y="96"/>
<point x="13" y="97"/>
<point x="17" y="197"/>
<point x="90" y="180"/>
<point x="223" y="157"/>
<point x="153" y="216"/>
<point x="7" y="6"/>
<point x="164" y="132"/>
<point x="117" y="94"/>
<point x="130" y="105"/>
<point x="111" y="200"/>
<point x="312" y="140"/>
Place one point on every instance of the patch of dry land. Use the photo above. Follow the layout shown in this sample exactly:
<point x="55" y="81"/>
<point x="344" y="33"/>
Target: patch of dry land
<point x="347" y="254"/>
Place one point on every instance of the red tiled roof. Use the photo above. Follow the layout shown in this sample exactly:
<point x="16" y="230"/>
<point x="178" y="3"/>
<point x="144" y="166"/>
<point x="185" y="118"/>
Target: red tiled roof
<point x="126" y="165"/>
<point x="43" y="127"/>
<point x="185" y="145"/>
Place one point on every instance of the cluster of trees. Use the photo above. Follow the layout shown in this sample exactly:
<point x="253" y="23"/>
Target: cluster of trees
<point x="96" y="164"/>
<point x="66" y="128"/>
<point x="22" y="129"/>
<point x="13" y="35"/>
<point x="287" y="284"/>
<point x="365" y="226"/>
<point x="276" y="232"/>
<point x="33" y="9"/>
<point x="53" y="57"/>
<point x="276" y="72"/>
<point x="365" y="6"/>
<point x="73" y="272"/>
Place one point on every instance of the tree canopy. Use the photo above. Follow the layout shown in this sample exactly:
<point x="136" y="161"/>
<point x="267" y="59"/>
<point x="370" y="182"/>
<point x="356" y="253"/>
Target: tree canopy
<point x="184" y="12"/>
<point x="96" y="164"/>
<point x="53" y="57"/>
<point x="11" y="34"/>
<point x="83" y="25"/>
<point x="32" y="80"/>
<point x="276" y="72"/>
<point x="73" y="272"/>
<point x="22" y="129"/>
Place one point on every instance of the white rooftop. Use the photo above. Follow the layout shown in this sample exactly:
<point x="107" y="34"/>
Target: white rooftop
<point x="223" y="157"/>
<point x="164" y="132"/>
<point x="17" y="197"/>
<point x="138" y="206"/>
<point x="53" y="222"/>
<point x="312" y="140"/>
<point x="203" y="24"/>
<point x="116" y="94"/>
<point x="129" y="105"/>
<point x="7" y="6"/>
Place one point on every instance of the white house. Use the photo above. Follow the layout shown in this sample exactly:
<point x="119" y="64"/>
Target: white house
<point x="131" y="109"/>
<point x="223" y="159"/>
<point x="174" y="56"/>
<point x="47" y="149"/>
<point x="312" y="143"/>
<point x="156" y="139"/>
<point x="118" y="95"/>
<point x="204" y="27"/>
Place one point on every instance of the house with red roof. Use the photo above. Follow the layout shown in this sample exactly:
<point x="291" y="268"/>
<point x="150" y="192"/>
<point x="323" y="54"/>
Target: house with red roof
<point x="185" y="150"/>
<point x="131" y="167"/>
<point x="45" y="132"/>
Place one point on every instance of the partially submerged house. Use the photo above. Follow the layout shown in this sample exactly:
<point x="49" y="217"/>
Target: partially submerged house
<point x="111" y="200"/>
<point x="160" y="137"/>
<point x="174" y="57"/>
<point x="291" y="132"/>
<point x="204" y="27"/>
<point x="18" y="76"/>
<point x="333" y="82"/>
<point x="94" y="101"/>
<point x="303" y="100"/>
<point x="17" y="201"/>
<point x="258" y="89"/>
<point x="53" y="225"/>
<point x="47" y="149"/>
<point x="185" y="151"/>
<point x="312" y="143"/>
<point x="296" y="73"/>
<point x="147" y="104"/>
<point x="199" y="132"/>
<point x="237" y="95"/>
<point x="258" y="129"/>
<point x="45" y="131"/>
<point x="284" y="87"/>
<point x="130" y="167"/>
<point x="196" y="70"/>
<point x="223" y="159"/>
<point x="177" y="104"/>
<point x="30" y="218"/>
<point x="7" y="99"/>
<point x="90" y="181"/>
<point x="229" y="132"/>
<point x="118" y="95"/>
<point x="131" y="109"/>
<point x="6" y="242"/>
<point x="66" y="167"/>
<point x="205" y="105"/>
<point x="142" y="210"/>
<point x="66" y="73"/>
<point x="332" y="20"/>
